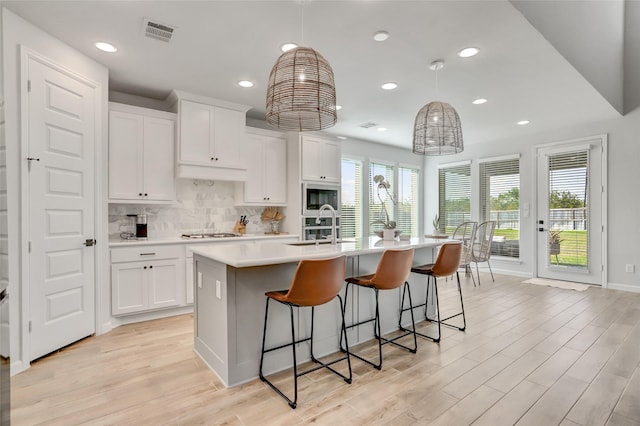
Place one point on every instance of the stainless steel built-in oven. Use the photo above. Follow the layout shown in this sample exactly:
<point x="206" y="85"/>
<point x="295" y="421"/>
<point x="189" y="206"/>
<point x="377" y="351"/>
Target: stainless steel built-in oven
<point x="315" y="195"/>
<point x="318" y="231"/>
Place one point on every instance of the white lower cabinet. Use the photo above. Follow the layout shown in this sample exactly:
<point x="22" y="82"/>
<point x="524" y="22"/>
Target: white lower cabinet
<point x="146" y="278"/>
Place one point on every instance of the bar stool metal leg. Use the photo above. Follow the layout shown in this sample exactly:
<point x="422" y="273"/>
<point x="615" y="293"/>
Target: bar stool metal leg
<point x="377" y="329"/>
<point x="343" y="332"/>
<point x="437" y="319"/>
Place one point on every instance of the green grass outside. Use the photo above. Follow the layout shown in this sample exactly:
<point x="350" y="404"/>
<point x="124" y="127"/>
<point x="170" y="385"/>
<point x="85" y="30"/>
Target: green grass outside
<point x="573" y="249"/>
<point x="573" y="246"/>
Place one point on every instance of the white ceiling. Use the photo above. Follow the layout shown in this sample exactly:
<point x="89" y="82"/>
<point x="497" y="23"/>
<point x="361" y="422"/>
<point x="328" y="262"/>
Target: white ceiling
<point x="218" y="43"/>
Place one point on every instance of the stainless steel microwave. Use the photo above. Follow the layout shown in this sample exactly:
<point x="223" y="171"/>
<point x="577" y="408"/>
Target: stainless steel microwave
<point x="315" y="195"/>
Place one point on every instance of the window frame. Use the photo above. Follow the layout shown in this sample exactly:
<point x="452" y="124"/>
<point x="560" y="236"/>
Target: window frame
<point x="488" y="168"/>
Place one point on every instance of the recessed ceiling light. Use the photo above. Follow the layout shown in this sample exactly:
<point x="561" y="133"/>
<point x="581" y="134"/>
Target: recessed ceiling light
<point x="106" y="47"/>
<point x="479" y="101"/>
<point x="389" y="86"/>
<point x="338" y="107"/>
<point x="288" y="46"/>
<point x="382" y="129"/>
<point x="523" y="122"/>
<point x="245" y="83"/>
<point x="380" y="35"/>
<point x="468" y="52"/>
<point x="342" y="138"/>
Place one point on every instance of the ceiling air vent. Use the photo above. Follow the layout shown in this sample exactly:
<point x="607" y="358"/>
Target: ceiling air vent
<point x="368" y="125"/>
<point x="157" y="30"/>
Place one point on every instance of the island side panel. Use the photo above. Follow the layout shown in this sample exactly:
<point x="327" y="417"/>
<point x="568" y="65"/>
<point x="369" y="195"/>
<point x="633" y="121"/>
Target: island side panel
<point x="246" y="324"/>
<point x="211" y="340"/>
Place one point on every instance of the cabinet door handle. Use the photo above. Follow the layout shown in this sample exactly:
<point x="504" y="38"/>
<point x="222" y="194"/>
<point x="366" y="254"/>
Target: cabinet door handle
<point x="151" y="267"/>
<point x="147" y="254"/>
<point x="145" y="267"/>
<point x="139" y="194"/>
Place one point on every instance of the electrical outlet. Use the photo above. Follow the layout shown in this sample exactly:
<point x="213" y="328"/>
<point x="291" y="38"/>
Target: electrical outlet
<point x="630" y="267"/>
<point x="218" y="289"/>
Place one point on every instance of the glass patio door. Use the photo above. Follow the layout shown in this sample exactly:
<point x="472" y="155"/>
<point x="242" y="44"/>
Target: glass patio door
<point x="570" y="211"/>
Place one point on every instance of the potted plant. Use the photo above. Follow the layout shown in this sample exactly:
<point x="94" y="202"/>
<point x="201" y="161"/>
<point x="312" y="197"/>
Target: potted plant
<point x="389" y="231"/>
<point x="554" y="243"/>
<point x="436" y="225"/>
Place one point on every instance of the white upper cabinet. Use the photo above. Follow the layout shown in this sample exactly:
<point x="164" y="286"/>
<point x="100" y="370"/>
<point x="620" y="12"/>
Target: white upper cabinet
<point x="211" y="138"/>
<point x="320" y="160"/>
<point x="141" y="155"/>
<point x="266" y="156"/>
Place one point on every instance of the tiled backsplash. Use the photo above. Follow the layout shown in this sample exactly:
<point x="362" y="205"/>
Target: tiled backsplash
<point x="202" y="206"/>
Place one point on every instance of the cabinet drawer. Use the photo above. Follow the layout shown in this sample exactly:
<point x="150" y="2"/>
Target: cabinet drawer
<point x="137" y="254"/>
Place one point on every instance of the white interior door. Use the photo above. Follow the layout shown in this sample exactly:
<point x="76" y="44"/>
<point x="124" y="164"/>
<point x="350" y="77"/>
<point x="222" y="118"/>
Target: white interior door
<point x="60" y="121"/>
<point x="569" y="229"/>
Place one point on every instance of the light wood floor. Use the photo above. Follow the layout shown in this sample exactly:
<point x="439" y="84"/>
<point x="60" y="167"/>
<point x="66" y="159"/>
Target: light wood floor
<point x="531" y="355"/>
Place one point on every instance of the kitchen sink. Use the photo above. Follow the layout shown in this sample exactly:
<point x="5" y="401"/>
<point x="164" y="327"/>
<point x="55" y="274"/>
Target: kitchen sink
<point x="210" y="235"/>
<point x="311" y="242"/>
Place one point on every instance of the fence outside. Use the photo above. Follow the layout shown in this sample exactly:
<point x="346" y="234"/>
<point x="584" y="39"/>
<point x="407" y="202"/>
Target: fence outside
<point x="559" y="219"/>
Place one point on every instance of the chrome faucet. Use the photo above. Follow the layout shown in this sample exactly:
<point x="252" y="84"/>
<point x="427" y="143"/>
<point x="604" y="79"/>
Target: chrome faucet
<point x="333" y="220"/>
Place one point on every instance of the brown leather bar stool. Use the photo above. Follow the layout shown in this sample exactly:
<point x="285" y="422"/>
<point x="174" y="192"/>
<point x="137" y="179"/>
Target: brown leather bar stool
<point x="315" y="282"/>
<point x="392" y="272"/>
<point x="447" y="264"/>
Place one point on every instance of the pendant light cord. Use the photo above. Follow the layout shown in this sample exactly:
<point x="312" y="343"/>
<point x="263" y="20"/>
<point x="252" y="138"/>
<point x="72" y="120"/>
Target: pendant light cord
<point x="302" y="23"/>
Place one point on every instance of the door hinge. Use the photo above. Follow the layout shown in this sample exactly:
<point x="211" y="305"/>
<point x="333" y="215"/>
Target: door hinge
<point x="29" y="246"/>
<point x="29" y="326"/>
<point x="28" y="85"/>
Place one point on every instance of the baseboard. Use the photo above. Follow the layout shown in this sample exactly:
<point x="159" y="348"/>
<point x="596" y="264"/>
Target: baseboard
<point x="624" y="287"/>
<point x="106" y="327"/>
<point x="148" y="316"/>
<point x="495" y="270"/>
<point x="17" y="367"/>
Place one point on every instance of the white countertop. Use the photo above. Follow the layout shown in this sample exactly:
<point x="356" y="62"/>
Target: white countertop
<point x="119" y="242"/>
<point x="247" y="255"/>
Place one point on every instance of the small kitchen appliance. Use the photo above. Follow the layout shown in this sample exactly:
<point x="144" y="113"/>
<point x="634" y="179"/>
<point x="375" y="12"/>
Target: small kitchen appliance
<point x="141" y="226"/>
<point x="316" y="195"/>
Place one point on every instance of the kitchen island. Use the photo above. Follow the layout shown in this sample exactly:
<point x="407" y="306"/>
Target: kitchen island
<point x="230" y="284"/>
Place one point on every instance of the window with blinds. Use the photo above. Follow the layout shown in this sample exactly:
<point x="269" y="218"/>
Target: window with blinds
<point x="500" y="202"/>
<point x="351" y="195"/>
<point x="568" y="209"/>
<point x="408" y="181"/>
<point x="454" y="196"/>
<point x="380" y="203"/>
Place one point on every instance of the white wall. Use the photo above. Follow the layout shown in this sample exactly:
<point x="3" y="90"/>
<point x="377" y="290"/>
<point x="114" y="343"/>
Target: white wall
<point x="623" y="194"/>
<point x="4" y="249"/>
<point x="17" y="32"/>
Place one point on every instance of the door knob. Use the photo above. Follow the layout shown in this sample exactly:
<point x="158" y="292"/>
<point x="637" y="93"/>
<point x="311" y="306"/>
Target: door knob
<point x="90" y="242"/>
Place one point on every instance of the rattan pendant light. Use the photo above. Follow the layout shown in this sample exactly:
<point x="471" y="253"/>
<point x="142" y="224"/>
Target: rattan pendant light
<point x="301" y="94"/>
<point x="437" y="129"/>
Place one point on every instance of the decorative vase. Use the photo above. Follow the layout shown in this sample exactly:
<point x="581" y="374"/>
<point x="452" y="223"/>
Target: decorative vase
<point x="388" y="234"/>
<point x="275" y="226"/>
